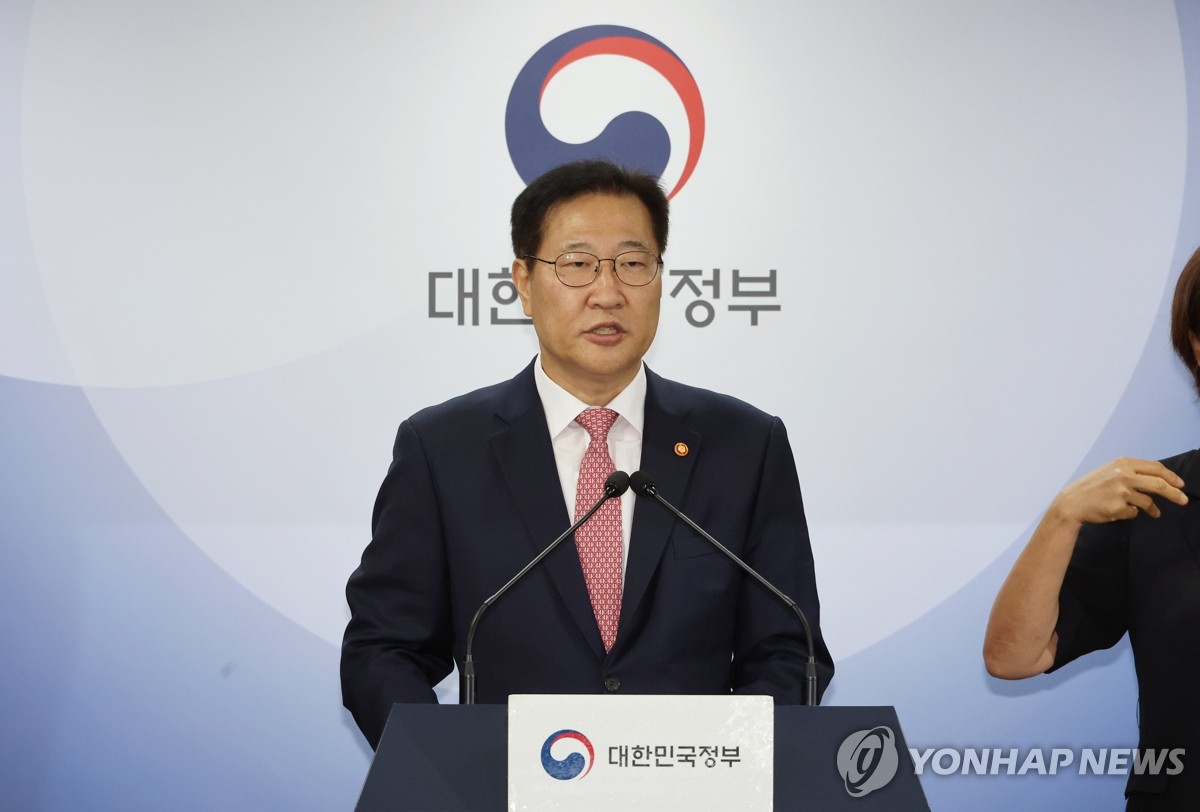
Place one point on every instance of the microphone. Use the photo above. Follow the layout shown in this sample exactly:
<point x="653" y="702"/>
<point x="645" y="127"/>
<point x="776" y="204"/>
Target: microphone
<point x="643" y="485"/>
<point x="616" y="484"/>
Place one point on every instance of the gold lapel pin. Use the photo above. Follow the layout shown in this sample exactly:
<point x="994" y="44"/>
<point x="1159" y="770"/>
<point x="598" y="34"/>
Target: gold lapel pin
<point x="681" y="450"/>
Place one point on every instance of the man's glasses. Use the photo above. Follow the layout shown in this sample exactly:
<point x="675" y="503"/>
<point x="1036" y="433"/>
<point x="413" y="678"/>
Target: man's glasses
<point x="578" y="269"/>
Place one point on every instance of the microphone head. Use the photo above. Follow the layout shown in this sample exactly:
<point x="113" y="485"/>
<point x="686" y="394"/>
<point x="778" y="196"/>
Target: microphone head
<point x="642" y="484"/>
<point x="616" y="484"/>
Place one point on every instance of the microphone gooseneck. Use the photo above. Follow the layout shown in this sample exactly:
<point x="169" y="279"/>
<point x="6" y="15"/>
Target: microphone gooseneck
<point x="616" y="484"/>
<point x="643" y="485"/>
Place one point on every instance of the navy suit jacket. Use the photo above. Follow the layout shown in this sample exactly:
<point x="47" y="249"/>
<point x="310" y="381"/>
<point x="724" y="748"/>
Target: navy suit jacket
<point x="473" y="495"/>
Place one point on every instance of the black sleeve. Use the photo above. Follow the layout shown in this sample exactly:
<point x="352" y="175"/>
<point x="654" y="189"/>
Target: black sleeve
<point x="1093" y="604"/>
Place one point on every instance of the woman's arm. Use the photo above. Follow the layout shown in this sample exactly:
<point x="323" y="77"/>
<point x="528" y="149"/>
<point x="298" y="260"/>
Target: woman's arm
<point x="1021" y="640"/>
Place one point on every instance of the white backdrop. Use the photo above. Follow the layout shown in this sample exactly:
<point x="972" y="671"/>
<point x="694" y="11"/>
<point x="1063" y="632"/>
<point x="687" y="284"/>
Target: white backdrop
<point x="226" y="229"/>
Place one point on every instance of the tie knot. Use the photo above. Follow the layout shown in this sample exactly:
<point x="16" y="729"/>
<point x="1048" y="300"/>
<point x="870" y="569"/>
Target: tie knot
<point x="597" y="422"/>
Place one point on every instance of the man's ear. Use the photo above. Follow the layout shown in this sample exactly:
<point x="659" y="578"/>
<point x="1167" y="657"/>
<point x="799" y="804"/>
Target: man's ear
<point x="520" y="278"/>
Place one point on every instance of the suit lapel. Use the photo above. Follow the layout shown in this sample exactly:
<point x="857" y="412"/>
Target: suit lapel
<point x="665" y="426"/>
<point x="525" y="456"/>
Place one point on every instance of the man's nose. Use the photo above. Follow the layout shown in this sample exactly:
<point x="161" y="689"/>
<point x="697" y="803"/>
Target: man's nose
<point x="608" y="285"/>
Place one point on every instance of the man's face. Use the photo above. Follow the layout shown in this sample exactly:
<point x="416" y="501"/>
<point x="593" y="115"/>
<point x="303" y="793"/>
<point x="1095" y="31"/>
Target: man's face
<point x="592" y="338"/>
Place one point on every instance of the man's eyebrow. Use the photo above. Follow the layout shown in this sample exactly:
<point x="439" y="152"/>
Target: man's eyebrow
<point x="587" y="246"/>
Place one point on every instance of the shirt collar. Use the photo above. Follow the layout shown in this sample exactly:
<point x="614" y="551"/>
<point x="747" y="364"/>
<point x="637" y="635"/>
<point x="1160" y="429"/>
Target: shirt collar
<point x="562" y="407"/>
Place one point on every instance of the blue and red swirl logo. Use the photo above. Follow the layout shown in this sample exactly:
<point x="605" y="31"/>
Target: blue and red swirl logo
<point x="634" y="139"/>
<point x="575" y="764"/>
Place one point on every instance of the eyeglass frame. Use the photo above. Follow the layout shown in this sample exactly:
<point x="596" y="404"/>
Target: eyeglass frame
<point x="658" y="266"/>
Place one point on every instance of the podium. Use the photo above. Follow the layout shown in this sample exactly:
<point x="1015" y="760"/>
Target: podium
<point x="452" y="758"/>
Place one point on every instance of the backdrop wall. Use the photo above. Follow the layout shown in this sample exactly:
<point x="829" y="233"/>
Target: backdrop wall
<point x="239" y="243"/>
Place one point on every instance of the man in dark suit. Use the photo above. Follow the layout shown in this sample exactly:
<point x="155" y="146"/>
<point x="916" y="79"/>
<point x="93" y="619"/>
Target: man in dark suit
<point x="479" y="485"/>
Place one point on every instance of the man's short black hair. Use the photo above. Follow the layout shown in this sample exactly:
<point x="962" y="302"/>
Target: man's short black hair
<point x="572" y="180"/>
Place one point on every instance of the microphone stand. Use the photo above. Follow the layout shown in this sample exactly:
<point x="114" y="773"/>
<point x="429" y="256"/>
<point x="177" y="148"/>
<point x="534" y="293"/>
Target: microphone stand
<point x="644" y="486"/>
<point x="616" y="484"/>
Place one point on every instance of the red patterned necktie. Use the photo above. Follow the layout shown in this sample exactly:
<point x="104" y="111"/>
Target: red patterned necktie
<point x="599" y="539"/>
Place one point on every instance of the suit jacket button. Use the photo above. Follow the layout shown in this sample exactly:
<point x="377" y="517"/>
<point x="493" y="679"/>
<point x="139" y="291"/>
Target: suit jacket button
<point x="612" y="684"/>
